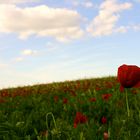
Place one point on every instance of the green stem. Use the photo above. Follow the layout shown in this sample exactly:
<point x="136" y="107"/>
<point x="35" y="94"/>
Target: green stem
<point x="127" y="105"/>
<point x="81" y="136"/>
<point x="50" y="113"/>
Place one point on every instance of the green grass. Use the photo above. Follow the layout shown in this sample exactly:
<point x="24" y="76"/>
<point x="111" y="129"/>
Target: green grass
<point x="47" y="111"/>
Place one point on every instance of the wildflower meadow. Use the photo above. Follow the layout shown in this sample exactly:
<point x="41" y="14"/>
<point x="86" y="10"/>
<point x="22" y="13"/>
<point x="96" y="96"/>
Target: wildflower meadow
<point x="86" y="109"/>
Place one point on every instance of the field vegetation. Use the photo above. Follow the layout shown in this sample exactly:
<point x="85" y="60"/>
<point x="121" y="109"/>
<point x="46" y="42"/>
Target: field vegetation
<point x="88" y="109"/>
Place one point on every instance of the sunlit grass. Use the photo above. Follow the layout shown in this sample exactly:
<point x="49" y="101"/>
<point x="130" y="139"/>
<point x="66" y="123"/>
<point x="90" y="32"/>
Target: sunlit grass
<point x="48" y="111"/>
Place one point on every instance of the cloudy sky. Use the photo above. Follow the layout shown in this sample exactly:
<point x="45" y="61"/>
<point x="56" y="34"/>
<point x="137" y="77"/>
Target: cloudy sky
<point x="43" y="41"/>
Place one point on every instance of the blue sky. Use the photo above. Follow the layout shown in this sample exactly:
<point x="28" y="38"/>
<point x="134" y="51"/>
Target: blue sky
<point x="43" y="41"/>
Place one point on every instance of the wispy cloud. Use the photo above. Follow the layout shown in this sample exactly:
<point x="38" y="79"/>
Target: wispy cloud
<point x="86" y="4"/>
<point x="29" y="52"/>
<point x="105" y="22"/>
<point x="41" y="21"/>
<point x="19" y="59"/>
<point x="124" y="29"/>
<point x="24" y="54"/>
<point x="136" y="27"/>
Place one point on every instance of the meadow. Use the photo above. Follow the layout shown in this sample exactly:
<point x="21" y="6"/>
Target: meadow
<point x="86" y="109"/>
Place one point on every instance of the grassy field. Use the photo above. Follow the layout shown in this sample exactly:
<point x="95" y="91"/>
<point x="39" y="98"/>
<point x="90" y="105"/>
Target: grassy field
<point x="72" y="110"/>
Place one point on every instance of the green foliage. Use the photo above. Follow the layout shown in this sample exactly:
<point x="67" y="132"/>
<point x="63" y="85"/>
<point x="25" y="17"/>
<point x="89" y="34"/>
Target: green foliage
<point x="47" y="111"/>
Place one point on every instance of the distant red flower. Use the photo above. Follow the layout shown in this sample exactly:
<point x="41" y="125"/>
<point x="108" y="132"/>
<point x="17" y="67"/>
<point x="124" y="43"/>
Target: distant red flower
<point x="44" y="133"/>
<point x="134" y="92"/>
<point x="106" y="136"/>
<point x="78" y="84"/>
<point x="92" y="99"/>
<point x="15" y="94"/>
<point x="106" y="96"/>
<point x="97" y="88"/>
<point x="72" y="93"/>
<point x="128" y="75"/>
<point x="4" y="94"/>
<point x="121" y="88"/>
<point x="103" y="120"/>
<point x="109" y="85"/>
<point x="80" y="118"/>
<point x="65" y="100"/>
<point x="2" y="100"/>
<point x="56" y="98"/>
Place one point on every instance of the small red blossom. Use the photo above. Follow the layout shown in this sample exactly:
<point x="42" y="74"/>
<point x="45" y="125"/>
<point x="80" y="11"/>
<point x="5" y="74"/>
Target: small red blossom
<point x="78" y="84"/>
<point x="44" y="133"/>
<point x="75" y="125"/>
<point x="103" y="120"/>
<point x="134" y="92"/>
<point x="92" y="99"/>
<point x="106" y="96"/>
<point x="56" y="98"/>
<point x="121" y="88"/>
<point x="15" y="94"/>
<point x="97" y="88"/>
<point x="4" y="94"/>
<point x="65" y="100"/>
<point x="2" y="100"/>
<point x="109" y="84"/>
<point x="106" y="136"/>
<point x="72" y="93"/>
<point x="80" y="118"/>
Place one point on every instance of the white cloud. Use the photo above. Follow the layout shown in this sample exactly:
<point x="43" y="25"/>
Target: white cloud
<point x="122" y="29"/>
<point x="19" y="59"/>
<point x="105" y="22"/>
<point x="62" y="24"/>
<point x="136" y="27"/>
<point x="24" y="54"/>
<point x="16" y="1"/>
<point x="29" y="52"/>
<point x="86" y="4"/>
<point x="75" y="3"/>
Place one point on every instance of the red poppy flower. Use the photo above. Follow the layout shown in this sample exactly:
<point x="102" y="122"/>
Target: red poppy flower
<point x="44" y="133"/>
<point x="137" y="85"/>
<point x="65" y="100"/>
<point x="80" y="118"/>
<point x="106" y="136"/>
<point x="121" y="88"/>
<point x="103" y="120"/>
<point x="106" y="96"/>
<point x="4" y="94"/>
<point x="97" y="88"/>
<point x="72" y="93"/>
<point x="56" y="98"/>
<point x="128" y="75"/>
<point x="92" y="99"/>
<point x="2" y="100"/>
